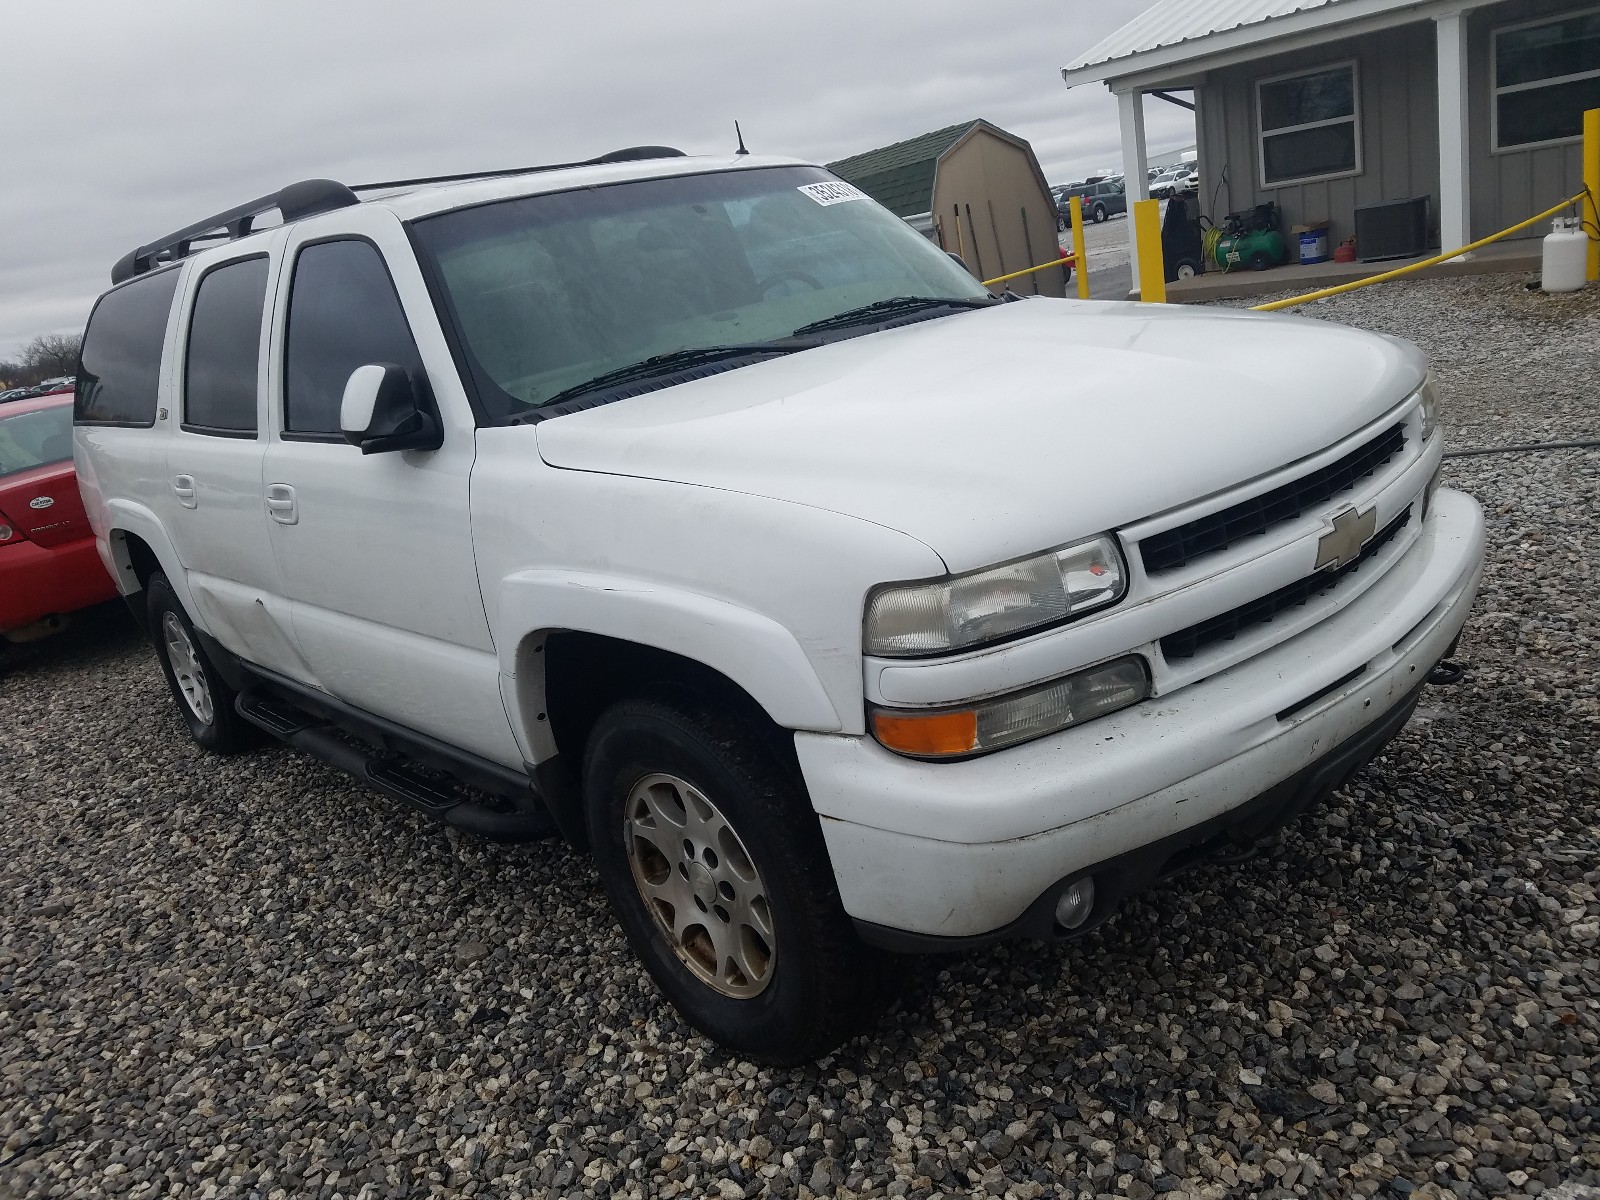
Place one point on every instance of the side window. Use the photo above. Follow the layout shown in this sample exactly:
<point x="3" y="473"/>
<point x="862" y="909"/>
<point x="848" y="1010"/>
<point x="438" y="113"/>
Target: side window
<point x="119" y="370"/>
<point x="343" y="314"/>
<point x="220" y="368"/>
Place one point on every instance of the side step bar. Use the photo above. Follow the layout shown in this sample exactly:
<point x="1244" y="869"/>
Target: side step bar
<point x="433" y="792"/>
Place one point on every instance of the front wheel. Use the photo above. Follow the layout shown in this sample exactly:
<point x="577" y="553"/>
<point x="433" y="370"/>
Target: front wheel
<point x="204" y="699"/>
<point x="715" y="867"/>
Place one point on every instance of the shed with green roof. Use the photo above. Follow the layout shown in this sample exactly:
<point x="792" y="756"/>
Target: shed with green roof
<point x="981" y="191"/>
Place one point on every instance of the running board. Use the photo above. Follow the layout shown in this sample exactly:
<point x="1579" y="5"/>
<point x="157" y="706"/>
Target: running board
<point x="429" y="791"/>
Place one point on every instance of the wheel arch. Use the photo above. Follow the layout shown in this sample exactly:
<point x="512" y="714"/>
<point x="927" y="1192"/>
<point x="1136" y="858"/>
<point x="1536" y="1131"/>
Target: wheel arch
<point x="135" y="547"/>
<point x="575" y="639"/>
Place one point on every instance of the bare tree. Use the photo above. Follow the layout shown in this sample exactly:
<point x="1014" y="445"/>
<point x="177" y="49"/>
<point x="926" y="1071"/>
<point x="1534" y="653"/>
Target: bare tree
<point x="51" y="354"/>
<point x="11" y="373"/>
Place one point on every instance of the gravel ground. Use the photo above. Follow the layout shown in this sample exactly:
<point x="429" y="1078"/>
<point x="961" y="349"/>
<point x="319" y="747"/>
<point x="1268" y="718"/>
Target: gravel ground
<point x="249" y="977"/>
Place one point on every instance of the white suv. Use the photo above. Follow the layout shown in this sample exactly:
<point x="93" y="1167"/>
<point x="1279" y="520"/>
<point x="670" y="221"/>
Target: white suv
<point x="700" y="510"/>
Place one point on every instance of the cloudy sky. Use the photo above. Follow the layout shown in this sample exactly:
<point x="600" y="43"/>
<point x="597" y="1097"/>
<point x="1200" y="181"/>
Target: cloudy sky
<point x="126" y="119"/>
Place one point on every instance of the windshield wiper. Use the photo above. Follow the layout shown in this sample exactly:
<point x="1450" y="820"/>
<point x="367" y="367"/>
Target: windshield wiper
<point x="884" y="309"/>
<point x="677" y="360"/>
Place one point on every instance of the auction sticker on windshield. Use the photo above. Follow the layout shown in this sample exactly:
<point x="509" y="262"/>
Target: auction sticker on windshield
<point x="832" y="193"/>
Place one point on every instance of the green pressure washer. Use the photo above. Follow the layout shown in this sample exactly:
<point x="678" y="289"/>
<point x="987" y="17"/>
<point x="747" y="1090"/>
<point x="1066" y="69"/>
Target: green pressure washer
<point x="1251" y="239"/>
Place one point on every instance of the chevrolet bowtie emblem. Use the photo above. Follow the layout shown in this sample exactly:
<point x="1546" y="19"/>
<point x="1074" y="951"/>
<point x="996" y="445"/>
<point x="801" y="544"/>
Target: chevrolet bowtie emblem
<point x="1342" y="544"/>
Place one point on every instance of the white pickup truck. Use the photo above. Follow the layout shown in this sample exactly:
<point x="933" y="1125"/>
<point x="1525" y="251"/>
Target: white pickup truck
<point x="700" y="510"/>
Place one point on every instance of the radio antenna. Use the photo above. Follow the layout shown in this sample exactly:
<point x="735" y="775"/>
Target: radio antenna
<point x="740" y="134"/>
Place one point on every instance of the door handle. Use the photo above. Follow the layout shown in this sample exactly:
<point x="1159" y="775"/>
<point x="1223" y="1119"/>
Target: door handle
<point x="280" y="503"/>
<point x="183" y="489"/>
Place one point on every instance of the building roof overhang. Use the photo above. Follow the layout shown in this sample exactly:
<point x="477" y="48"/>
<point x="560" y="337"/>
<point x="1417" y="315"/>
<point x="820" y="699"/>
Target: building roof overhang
<point x="1176" y="42"/>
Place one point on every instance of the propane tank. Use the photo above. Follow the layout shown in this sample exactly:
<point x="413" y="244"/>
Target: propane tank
<point x="1566" y="256"/>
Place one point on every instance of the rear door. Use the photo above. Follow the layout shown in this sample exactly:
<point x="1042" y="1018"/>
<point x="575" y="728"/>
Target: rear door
<point x="376" y="550"/>
<point x="215" y="514"/>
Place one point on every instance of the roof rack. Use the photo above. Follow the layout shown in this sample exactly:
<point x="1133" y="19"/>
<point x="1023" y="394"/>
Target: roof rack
<point x="303" y="199"/>
<point x="628" y="154"/>
<point x="312" y="196"/>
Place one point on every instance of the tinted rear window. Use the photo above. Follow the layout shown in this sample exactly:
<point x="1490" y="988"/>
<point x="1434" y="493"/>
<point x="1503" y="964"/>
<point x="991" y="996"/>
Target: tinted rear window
<point x="120" y="370"/>
<point x="219" y="374"/>
<point x="35" y="439"/>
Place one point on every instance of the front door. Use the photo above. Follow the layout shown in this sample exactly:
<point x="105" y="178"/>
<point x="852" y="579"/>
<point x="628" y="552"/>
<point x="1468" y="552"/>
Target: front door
<point x="375" y="550"/>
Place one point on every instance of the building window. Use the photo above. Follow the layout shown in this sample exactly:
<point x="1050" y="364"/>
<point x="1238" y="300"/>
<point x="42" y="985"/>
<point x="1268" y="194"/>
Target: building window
<point x="1546" y="73"/>
<point x="1310" y="125"/>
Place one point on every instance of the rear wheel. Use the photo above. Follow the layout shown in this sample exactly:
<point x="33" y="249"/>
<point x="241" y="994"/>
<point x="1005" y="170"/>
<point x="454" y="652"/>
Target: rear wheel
<point x="204" y="699"/>
<point x="1099" y="213"/>
<point x="715" y="867"/>
<point x="1260" y="261"/>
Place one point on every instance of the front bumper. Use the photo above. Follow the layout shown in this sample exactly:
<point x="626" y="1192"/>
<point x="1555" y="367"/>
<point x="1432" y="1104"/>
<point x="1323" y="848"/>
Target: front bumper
<point x="957" y="853"/>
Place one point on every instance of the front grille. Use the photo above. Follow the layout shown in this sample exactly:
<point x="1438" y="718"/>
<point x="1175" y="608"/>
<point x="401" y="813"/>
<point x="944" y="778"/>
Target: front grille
<point x="1186" y="643"/>
<point x="1206" y="535"/>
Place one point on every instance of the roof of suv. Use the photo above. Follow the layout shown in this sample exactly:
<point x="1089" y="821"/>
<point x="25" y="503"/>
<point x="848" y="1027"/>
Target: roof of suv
<point x="425" y="201"/>
<point x="410" y="199"/>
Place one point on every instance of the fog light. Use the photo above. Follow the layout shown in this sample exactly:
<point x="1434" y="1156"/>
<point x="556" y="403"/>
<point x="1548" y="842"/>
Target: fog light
<point x="1076" y="903"/>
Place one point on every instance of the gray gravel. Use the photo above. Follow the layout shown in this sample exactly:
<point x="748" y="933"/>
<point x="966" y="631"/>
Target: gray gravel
<point x="249" y="977"/>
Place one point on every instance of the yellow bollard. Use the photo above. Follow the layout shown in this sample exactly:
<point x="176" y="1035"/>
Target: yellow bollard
<point x="1152" y="267"/>
<point x="1080" y="262"/>
<point x="1591" y="184"/>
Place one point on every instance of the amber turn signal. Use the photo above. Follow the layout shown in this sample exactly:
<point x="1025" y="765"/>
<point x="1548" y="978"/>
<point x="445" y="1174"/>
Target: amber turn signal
<point x="930" y="735"/>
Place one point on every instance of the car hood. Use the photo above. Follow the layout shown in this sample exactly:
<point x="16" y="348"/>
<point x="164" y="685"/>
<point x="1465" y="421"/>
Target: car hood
<point x="994" y="433"/>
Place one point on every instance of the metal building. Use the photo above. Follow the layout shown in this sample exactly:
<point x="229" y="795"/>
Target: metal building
<point x="1330" y="106"/>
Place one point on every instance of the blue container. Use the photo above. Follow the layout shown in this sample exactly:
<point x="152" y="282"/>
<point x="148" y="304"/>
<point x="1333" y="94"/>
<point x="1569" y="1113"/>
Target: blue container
<point x="1314" y="246"/>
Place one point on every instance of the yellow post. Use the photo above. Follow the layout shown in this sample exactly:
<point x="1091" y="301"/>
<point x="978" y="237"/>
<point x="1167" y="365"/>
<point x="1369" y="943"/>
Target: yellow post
<point x="1080" y="263"/>
<point x="1591" y="184"/>
<point x="1152" y="268"/>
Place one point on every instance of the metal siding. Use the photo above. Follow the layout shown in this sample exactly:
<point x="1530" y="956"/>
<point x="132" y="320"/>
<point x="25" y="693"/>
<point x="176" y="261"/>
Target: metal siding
<point x="1513" y="185"/>
<point x="1399" y="130"/>
<point x="1173" y="21"/>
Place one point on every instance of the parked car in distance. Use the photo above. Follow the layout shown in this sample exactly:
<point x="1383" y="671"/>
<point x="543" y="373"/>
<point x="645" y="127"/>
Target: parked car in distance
<point x="49" y="566"/>
<point x="1161" y="187"/>
<point x="702" y="511"/>
<point x="1101" y="200"/>
<point x="15" y="394"/>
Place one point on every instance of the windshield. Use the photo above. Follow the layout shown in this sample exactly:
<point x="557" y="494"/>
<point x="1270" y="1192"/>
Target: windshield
<point x="35" y="439"/>
<point x="552" y="291"/>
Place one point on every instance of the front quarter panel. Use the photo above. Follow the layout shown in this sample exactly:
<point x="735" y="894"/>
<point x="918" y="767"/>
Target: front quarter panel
<point x="765" y="591"/>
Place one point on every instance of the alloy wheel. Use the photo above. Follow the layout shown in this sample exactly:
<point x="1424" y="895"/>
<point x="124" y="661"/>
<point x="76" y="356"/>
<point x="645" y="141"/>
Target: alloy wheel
<point x="187" y="670"/>
<point x="701" y="885"/>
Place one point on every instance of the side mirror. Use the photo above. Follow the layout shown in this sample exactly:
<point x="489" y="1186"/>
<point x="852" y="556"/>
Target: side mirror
<point x="383" y="409"/>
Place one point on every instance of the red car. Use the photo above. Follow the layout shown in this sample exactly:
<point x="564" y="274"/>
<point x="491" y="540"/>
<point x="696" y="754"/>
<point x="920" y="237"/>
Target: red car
<point x="48" y="562"/>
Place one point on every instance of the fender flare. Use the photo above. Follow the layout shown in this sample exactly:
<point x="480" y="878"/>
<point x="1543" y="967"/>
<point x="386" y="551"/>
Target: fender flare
<point x="127" y="517"/>
<point x="755" y="652"/>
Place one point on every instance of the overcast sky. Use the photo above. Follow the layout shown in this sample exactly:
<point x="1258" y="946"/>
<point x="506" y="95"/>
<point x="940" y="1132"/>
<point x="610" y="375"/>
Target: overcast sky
<point x="127" y="119"/>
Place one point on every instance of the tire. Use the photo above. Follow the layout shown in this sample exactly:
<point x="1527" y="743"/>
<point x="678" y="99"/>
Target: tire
<point x="801" y="981"/>
<point x="1061" y="223"/>
<point x="1260" y="261"/>
<point x="1186" y="270"/>
<point x="204" y="699"/>
<point x="1099" y="213"/>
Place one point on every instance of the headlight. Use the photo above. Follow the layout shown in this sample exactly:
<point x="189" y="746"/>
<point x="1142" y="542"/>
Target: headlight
<point x="1430" y="407"/>
<point x="1000" y="602"/>
<point x="1019" y="717"/>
